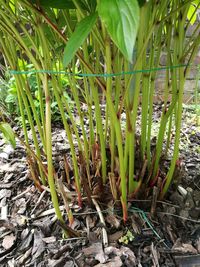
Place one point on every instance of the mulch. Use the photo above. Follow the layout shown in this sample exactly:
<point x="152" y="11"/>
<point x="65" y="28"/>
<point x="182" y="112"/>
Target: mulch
<point x="160" y="233"/>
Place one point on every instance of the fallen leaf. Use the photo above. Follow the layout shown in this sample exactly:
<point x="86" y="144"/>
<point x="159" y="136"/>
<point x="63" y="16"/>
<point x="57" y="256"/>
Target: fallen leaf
<point x="26" y="237"/>
<point x="49" y="239"/>
<point x="116" y="236"/>
<point x="8" y="241"/>
<point x="96" y="250"/>
<point x="38" y="244"/>
<point x="113" y="221"/>
<point x="20" y="205"/>
<point x="115" y="262"/>
<point x="122" y="251"/>
<point x="184" y="248"/>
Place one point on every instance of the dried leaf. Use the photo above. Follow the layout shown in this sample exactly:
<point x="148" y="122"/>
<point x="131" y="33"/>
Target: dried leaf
<point x="116" y="236"/>
<point x="96" y="250"/>
<point x="113" y="221"/>
<point x="184" y="248"/>
<point x="50" y="239"/>
<point x="38" y="244"/>
<point x="123" y="251"/>
<point x="26" y="238"/>
<point x="115" y="262"/>
<point x="20" y="205"/>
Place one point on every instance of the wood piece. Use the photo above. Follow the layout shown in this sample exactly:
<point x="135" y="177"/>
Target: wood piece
<point x="154" y="201"/>
<point x="104" y="233"/>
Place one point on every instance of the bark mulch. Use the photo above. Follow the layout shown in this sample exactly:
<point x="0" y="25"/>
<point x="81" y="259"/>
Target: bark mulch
<point x="158" y="233"/>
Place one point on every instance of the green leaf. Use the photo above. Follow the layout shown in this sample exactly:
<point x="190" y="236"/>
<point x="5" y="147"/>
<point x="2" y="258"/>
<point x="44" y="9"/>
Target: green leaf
<point x="141" y="2"/>
<point x="196" y="2"/>
<point x="121" y="19"/>
<point x="192" y="15"/>
<point x="59" y="4"/>
<point x="8" y="133"/>
<point x="78" y="37"/>
<point x="67" y="4"/>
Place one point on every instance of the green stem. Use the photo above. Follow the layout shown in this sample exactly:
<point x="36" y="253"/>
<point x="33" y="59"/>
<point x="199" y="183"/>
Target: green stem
<point x="116" y="124"/>
<point x="109" y="91"/>
<point x="49" y="150"/>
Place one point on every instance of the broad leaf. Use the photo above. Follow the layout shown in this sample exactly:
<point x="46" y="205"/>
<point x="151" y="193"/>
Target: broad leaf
<point x="8" y="133"/>
<point x="121" y="19"/>
<point x="66" y="4"/>
<point x="59" y="4"/>
<point x="78" y="37"/>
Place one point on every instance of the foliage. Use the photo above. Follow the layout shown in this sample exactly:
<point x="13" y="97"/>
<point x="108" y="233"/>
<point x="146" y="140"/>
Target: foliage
<point x="9" y="100"/>
<point x="122" y="26"/>
<point x="7" y="131"/>
<point x="34" y="33"/>
<point x="128" y="237"/>
<point x="78" y="37"/>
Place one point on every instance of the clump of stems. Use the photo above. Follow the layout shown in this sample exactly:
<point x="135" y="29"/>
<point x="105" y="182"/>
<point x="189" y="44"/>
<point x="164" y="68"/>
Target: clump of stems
<point x="32" y="34"/>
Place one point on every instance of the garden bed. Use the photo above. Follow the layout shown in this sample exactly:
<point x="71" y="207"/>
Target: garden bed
<point x="169" y="236"/>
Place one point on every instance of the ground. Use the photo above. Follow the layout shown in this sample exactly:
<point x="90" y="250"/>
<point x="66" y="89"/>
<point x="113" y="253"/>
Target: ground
<point x="167" y="236"/>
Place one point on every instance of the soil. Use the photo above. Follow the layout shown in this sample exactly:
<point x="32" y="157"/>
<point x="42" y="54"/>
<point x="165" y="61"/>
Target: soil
<point x="157" y="233"/>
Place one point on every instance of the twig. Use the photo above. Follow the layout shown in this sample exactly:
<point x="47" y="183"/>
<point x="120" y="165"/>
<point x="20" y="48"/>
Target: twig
<point x="154" y="256"/>
<point x="75" y="238"/>
<point x="104" y="233"/>
<point x="66" y="202"/>
<point x="181" y="217"/>
<point x="69" y="231"/>
<point x="46" y="213"/>
<point x="159" y="201"/>
<point x="46" y="188"/>
<point x="24" y="257"/>
<point x="143" y="169"/>
<point x="38" y="202"/>
<point x="23" y="193"/>
<point x="154" y="201"/>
